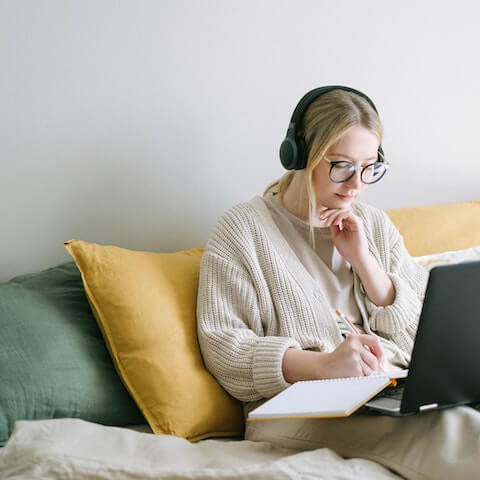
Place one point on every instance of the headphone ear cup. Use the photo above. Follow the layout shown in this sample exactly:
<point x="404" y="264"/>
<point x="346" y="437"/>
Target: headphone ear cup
<point x="288" y="153"/>
<point x="301" y="153"/>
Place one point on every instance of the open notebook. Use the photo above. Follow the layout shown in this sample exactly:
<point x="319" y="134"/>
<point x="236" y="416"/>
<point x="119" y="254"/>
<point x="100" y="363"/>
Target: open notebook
<point x="335" y="397"/>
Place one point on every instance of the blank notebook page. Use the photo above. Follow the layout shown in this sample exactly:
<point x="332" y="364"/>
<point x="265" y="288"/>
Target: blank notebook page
<point x="322" y="398"/>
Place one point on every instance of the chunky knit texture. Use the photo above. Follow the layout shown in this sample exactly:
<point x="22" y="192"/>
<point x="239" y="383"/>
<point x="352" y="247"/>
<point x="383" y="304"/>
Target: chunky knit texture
<point x="256" y="299"/>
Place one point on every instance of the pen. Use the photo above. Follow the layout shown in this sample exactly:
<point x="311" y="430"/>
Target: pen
<point x="355" y="331"/>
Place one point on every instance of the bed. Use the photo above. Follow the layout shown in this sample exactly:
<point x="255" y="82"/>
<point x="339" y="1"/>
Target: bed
<point x="101" y="375"/>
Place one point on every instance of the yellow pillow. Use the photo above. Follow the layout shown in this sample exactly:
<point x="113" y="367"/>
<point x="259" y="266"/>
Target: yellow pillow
<point x="438" y="228"/>
<point x="145" y="305"/>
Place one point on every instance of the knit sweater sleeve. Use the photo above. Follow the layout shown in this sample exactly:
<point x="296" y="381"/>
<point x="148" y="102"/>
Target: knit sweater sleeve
<point x="230" y="320"/>
<point x="398" y="321"/>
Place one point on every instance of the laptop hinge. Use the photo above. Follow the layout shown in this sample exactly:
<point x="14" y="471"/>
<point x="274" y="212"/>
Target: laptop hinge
<point x="428" y="406"/>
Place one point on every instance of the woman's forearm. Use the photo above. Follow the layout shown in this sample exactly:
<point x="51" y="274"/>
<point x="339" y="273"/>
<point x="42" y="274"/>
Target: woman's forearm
<point x="378" y="286"/>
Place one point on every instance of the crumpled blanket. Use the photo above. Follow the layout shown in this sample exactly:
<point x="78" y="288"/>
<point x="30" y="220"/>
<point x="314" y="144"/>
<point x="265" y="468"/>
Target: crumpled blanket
<point x="76" y="449"/>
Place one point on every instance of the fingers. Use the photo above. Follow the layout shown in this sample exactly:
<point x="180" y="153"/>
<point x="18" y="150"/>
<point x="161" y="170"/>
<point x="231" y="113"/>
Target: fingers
<point x="369" y="362"/>
<point x="338" y="217"/>
<point x="365" y="352"/>
<point x="374" y="344"/>
<point x="328" y="215"/>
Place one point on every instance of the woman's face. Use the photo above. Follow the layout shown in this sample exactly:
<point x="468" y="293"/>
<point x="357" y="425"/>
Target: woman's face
<point x="358" y="146"/>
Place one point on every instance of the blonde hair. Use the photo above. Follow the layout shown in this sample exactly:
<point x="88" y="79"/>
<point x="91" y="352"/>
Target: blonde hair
<point x="327" y="119"/>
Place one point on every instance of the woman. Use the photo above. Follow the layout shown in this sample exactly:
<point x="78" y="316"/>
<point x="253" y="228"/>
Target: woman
<point x="278" y="269"/>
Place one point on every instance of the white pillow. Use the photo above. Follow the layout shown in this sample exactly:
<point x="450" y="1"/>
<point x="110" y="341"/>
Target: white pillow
<point x="448" y="258"/>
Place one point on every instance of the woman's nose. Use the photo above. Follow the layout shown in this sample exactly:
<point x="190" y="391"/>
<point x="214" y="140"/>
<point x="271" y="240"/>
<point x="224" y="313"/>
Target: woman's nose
<point x="355" y="181"/>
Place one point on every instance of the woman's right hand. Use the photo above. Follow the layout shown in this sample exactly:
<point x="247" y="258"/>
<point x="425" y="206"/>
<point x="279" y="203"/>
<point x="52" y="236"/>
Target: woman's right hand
<point x="350" y="359"/>
<point x="353" y="357"/>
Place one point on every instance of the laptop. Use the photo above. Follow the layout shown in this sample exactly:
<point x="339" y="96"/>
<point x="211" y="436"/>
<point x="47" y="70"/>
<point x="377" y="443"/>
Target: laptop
<point x="444" y="367"/>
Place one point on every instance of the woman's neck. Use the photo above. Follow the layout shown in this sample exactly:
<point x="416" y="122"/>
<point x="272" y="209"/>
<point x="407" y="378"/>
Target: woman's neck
<point x="295" y="200"/>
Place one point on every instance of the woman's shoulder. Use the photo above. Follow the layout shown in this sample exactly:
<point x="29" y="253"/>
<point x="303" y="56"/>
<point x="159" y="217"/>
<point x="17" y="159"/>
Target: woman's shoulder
<point x="377" y="221"/>
<point x="370" y="213"/>
<point x="240" y="223"/>
<point x="244" y="214"/>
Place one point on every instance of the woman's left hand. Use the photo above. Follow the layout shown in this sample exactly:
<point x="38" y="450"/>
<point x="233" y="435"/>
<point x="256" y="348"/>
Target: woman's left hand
<point x="348" y="234"/>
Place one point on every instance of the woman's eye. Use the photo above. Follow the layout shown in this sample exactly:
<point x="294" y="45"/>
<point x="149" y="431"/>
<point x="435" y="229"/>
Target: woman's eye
<point x="344" y="166"/>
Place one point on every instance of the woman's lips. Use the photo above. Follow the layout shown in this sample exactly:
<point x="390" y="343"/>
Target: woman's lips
<point x="345" y="197"/>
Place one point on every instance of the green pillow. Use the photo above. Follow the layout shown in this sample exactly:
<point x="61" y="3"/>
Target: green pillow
<point x="53" y="360"/>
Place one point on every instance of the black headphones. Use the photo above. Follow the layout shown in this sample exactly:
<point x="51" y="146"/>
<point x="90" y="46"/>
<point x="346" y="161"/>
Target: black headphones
<point x="293" y="150"/>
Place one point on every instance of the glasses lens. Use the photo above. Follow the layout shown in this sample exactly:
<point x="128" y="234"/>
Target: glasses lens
<point x="341" y="171"/>
<point x="374" y="172"/>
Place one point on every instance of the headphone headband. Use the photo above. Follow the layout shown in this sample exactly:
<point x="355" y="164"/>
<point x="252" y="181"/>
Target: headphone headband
<point x="293" y="151"/>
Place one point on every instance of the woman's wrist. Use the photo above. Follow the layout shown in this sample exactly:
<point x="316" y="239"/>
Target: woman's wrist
<point x="298" y="365"/>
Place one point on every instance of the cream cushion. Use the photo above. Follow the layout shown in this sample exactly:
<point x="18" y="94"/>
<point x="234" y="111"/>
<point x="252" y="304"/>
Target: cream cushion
<point x="449" y="258"/>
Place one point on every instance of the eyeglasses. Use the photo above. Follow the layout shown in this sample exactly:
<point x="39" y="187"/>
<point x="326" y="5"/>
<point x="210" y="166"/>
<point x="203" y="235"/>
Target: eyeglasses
<point x="342" y="171"/>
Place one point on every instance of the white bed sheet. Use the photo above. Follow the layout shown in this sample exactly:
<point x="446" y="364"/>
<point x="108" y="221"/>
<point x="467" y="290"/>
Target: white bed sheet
<point x="76" y="449"/>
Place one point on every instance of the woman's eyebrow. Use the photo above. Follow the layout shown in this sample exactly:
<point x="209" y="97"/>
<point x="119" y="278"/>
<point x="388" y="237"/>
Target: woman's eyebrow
<point x="344" y="155"/>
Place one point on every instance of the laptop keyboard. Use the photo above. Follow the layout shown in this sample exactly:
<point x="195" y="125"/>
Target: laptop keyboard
<point x="393" y="392"/>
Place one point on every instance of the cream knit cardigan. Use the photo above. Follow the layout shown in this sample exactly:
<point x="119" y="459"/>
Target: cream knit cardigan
<point x="256" y="299"/>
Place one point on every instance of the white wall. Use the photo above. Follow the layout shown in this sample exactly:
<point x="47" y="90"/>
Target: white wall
<point x="138" y="122"/>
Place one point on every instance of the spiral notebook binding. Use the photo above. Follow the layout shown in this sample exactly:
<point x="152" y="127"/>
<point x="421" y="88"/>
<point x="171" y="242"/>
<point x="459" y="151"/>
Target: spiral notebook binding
<point x="343" y="379"/>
